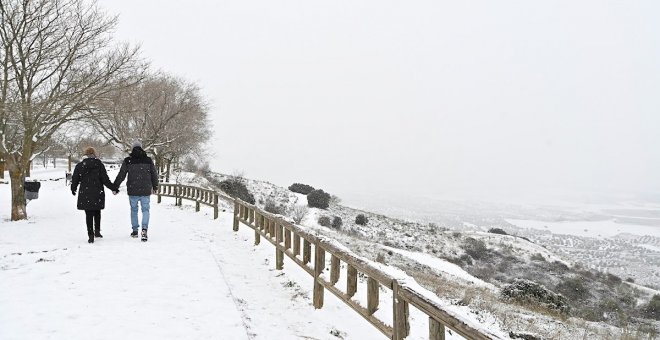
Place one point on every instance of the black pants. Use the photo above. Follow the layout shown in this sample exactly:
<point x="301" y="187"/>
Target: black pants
<point x="93" y="219"/>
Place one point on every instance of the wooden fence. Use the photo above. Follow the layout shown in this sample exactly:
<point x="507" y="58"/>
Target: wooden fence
<point x="296" y="243"/>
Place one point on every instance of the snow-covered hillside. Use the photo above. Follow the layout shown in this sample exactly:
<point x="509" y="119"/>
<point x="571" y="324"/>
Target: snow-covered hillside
<point x="442" y="260"/>
<point x="194" y="279"/>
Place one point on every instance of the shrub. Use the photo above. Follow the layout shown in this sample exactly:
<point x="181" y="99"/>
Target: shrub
<point x="298" y="213"/>
<point x="318" y="199"/>
<point x="301" y="188"/>
<point x="613" y="280"/>
<point x="630" y="280"/>
<point x="652" y="310"/>
<point x="237" y="189"/>
<point x="337" y="222"/>
<point x="325" y="221"/>
<point x="574" y="289"/>
<point x="361" y="219"/>
<point x="497" y="231"/>
<point x="529" y="292"/>
<point x="272" y="207"/>
<point x="475" y="248"/>
<point x="538" y="257"/>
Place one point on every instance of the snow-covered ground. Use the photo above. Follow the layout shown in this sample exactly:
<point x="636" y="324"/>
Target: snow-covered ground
<point x="606" y="228"/>
<point x="194" y="279"/>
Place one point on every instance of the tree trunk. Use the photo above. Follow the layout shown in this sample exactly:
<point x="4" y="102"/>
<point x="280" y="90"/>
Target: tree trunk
<point x="2" y="169"/>
<point x="28" y="171"/>
<point x="18" y="211"/>
<point x="167" y="173"/>
<point x="69" y="163"/>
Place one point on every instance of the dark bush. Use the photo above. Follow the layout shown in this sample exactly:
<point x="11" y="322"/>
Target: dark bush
<point x="272" y="207"/>
<point x="529" y="292"/>
<point x="613" y="280"/>
<point x="630" y="280"/>
<point x="652" y="310"/>
<point x="538" y="257"/>
<point x="475" y="248"/>
<point x="558" y="267"/>
<point x="237" y="189"/>
<point x="361" y="219"/>
<point x="337" y="222"/>
<point x="325" y="221"/>
<point x="301" y="188"/>
<point x="497" y="231"/>
<point x="318" y="199"/>
<point x="574" y="289"/>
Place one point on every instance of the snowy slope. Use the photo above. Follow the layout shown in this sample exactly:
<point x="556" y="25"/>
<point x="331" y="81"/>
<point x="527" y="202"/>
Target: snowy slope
<point x="194" y="279"/>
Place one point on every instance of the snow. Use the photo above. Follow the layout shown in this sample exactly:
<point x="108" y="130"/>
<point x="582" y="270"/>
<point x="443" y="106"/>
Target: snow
<point x="607" y="228"/>
<point x="441" y="265"/>
<point x="194" y="279"/>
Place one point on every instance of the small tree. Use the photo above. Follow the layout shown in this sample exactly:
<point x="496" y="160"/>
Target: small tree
<point x="325" y="221"/>
<point x="271" y="206"/>
<point x="298" y="213"/>
<point x="318" y="199"/>
<point x="652" y="310"/>
<point x="337" y="222"/>
<point x="361" y="219"/>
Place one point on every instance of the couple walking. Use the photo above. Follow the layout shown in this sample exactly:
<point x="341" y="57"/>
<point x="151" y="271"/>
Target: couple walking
<point x="91" y="175"/>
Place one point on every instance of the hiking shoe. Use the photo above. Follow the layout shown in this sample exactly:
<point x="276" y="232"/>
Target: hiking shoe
<point x="91" y="239"/>
<point x="144" y="235"/>
<point x="134" y="234"/>
<point x="98" y="235"/>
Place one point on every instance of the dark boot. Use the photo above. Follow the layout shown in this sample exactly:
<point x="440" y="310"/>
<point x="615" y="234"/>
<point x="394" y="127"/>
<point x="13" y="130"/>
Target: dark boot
<point x="90" y="234"/>
<point x="134" y="234"/>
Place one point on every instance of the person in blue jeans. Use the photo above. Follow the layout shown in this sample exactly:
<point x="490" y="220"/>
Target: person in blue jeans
<point x="142" y="182"/>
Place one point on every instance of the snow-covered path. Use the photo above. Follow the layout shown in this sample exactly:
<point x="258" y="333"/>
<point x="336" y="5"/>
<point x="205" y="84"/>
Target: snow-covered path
<point x="194" y="279"/>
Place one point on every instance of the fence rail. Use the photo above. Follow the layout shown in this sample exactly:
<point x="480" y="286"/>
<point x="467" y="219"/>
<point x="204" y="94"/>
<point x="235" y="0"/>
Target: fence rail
<point x="296" y="243"/>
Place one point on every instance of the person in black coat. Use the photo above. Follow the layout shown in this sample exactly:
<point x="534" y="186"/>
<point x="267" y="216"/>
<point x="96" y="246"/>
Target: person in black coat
<point x="91" y="175"/>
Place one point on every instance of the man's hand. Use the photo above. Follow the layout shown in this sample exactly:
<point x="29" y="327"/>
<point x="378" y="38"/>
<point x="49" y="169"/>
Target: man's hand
<point x="115" y="192"/>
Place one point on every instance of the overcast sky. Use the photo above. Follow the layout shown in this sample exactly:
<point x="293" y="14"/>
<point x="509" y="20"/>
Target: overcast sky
<point x="430" y="97"/>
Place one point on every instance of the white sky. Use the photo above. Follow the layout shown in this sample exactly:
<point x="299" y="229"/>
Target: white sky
<point x="428" y="97"/>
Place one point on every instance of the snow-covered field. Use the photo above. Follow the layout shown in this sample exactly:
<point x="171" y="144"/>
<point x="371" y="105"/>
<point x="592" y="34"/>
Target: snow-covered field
<point x="607" y="228"/>
<point x="194" y="279"/>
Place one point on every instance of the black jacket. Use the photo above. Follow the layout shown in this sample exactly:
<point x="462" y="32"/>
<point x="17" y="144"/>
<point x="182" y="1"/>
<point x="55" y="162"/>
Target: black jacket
<point x="142" y="175"/>
<point x="90" y="174"/>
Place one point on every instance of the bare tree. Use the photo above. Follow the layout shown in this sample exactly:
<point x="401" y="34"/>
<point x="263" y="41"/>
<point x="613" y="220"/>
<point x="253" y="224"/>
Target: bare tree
<point x="167" y="114"/>
<point x="57" y="59"/>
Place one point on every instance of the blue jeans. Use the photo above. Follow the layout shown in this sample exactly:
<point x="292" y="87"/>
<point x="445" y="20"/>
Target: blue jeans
<point x="144" y="203"/>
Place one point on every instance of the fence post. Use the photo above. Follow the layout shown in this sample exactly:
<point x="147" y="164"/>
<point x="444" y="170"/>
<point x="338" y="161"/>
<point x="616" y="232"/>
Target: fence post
<point x="257" y="225"/>
<point x="296" y="244"/>
<point x="372" y="296"/>
<point x="236" y="212"/>
<point x="279" y="255"/>
<point x="351" y="280"/>
<point x="215" y="206"/>
<point x="287" y="239"/>
<point x="400" y="323"/>
<point x="436" y="330"/>
<point x="307" y="251"/>
<point x="334" y="269"/>
<point x="319" y="267"/>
